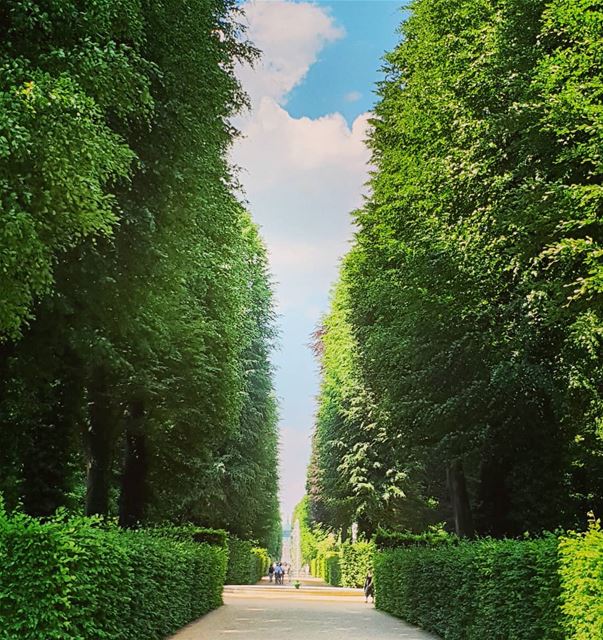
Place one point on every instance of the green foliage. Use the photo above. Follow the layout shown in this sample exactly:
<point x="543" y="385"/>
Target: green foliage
<point x="356" y="562"/>
<point x="461" y="359"/>
<point x="344" y="565"/>
<point x="60" y="159"/>
<point x="314" y="541"/>
<point x="138" y="305"/>
<point x="396" y="539"/>
<point x="247" y="563"/>
<point x="327" y="567"/>
<point x="78" y="578"/>
<point x="188" y="533"/>
<point x="498" y="589"/>
<point x="581" y="571"/>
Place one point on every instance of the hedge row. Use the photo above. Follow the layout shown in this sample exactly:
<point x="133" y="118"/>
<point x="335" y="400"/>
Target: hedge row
<point x="247" y="563"/>
<point x="77" y="579"/>
<point x="356" y="562"/>
<point x="190" y="532"/>
<point x="327" y="567"/>
<point x="581" y="570"/>
<point x="346" y="567"/>
<point x="495" y="589"/>
<point x="397" y="540"/>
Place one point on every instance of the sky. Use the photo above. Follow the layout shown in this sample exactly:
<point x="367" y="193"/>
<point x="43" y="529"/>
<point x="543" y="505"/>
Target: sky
<point x="304" y="166"/>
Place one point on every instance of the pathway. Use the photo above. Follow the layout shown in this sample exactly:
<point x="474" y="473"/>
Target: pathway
<point x="314" y="612"/>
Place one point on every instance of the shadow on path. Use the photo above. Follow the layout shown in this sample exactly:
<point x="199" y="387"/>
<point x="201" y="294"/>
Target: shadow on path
<point x="261" y="611"/>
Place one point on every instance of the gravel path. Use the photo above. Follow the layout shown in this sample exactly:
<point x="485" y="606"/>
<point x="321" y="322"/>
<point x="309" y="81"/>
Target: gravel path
<point x="269" y="612"/>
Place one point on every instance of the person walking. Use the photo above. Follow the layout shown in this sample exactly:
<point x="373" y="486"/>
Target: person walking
<point x="271" y="572"/>
<point x="369" y="587"/>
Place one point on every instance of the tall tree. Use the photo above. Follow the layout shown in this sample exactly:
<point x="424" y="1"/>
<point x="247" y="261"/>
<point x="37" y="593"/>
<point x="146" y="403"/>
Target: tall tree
<point x="473" y="300"/>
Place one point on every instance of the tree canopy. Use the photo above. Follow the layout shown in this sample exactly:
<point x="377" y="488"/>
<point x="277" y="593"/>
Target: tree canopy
<point x="136" y="322"/>
<point x="461" y="357"/>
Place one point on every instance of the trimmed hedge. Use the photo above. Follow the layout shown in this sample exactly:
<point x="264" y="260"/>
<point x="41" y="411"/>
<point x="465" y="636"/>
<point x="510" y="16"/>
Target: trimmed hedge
<point x="247" y="563"/>
<point x="347" y="567"/>
<point x="495" y="589"/>
<point x="356" y="562"/>
<point x="78" y="579"/>
<point x="327" y="567"/>
<point x="399" y="540"/>
<point x="192" y="533"/>
<point x="581" y="569"/>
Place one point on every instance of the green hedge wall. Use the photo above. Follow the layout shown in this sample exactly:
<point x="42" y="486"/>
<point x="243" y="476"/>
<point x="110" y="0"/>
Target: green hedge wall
<point x="356" y="562"/>
<point x="397" y="540"/>
<point x="581" y="569"/>
<point x="192" y="533"/>
<point x="332" y="569"/>
<point x="77" y="579"/>
<point x="327" y="567"/>
<point x="247" y="563"/>
<point x="347" y="567"/>
<point x="495" y="589"/>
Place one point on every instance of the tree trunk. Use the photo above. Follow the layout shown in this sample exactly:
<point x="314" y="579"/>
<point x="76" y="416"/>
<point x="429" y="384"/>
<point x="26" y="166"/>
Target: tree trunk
<point x="492" y="512"/>
<point x="48" y="437"/>
<point x="46" y="464"/>
<point x="133" y="482"/>
<point x="459" y="497"/>
<point x="100" y="440"/>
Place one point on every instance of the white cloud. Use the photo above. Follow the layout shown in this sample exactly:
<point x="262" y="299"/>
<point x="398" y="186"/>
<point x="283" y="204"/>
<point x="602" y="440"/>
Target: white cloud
<point x="301" y="177"/>
<point x="290" y="36"/>
<point x="352" y="96"/>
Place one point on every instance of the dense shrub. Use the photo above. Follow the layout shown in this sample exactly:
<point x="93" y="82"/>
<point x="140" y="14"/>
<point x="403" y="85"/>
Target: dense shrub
<point x="332" y="568"/>
<point x="327" y="567"/>
<point x="77" y="579"/>
<point x="346" y="567"/>
<point x="247" y="563"/>
<point x="188" y="533"/>
<point x="356" y="562"/>
<point x="495" y="589"/>
<point x="396" y="540"/>
<point x="581" y="569"/>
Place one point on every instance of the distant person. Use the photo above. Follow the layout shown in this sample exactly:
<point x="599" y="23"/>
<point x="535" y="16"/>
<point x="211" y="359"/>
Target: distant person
<point x="278" y="573"/>
<point x="271" y="572"/>
<point x="369" y="587"/>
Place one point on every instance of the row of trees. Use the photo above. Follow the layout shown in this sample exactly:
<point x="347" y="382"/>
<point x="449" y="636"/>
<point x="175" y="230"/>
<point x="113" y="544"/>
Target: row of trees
<point x="462" y="358"/>
<point x="136" y="318"/>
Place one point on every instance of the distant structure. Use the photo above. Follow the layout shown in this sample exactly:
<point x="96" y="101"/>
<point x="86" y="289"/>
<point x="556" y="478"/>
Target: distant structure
<point x="286" y="549"/>
<point x="295" y="550"/>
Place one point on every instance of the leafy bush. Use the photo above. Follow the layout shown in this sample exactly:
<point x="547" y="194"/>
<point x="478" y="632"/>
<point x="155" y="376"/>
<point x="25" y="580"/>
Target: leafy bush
<point x="346" y="567"/>
<point x="247" y="563"/>
<point x="332" y="568"/>
<point x="396" y="540"/>
<point x="188" y="533"/>
<point x="581" y="569"/>
<point x="356" y="562"/>
<point x="495" y="589"/>
<point x="327" y="567"/>
<point x="79" y="579"/>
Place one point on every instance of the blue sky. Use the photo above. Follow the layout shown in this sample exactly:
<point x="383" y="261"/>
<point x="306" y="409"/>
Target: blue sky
<point x="344" y="78"/>
<point x="303" y="167"/>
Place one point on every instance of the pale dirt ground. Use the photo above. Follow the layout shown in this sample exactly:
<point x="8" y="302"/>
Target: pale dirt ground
<point x="267" y="611"/>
